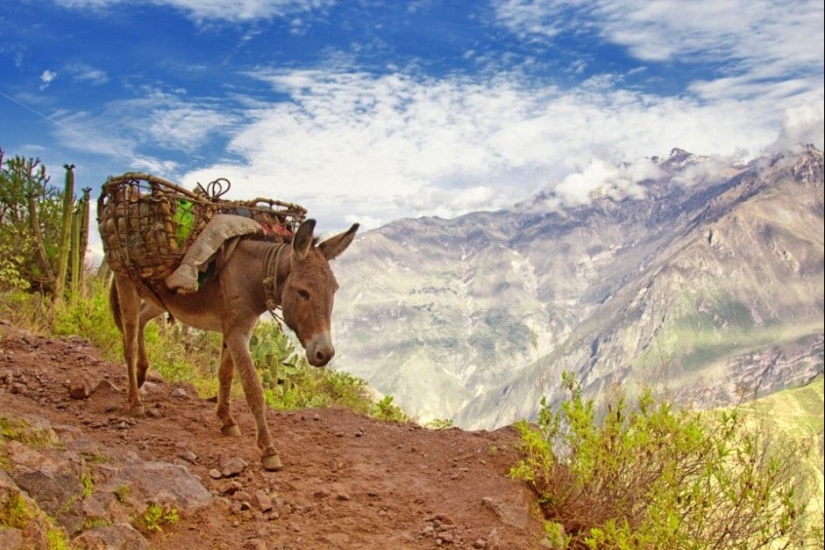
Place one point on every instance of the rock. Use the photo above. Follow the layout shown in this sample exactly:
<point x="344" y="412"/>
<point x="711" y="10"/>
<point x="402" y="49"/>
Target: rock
<point x="515" y="513"/>
<point x="233" y="466"/>
<point x="147" y="480"/>
<point x="241" y="496"/>
<point x="155" y="376"/>
<point x="50" y="478"/>
<point x="11" y="538"/>
<point x="32" y="527"/>
<point x="232" y="488"/>
<point x="261" y="501"/>
<point x="80" y="388"/>
<point x="254" y="544"/>
<point x="105" y="387"/>
<point x="120" y="536"/>
<point x="189" y="456"/>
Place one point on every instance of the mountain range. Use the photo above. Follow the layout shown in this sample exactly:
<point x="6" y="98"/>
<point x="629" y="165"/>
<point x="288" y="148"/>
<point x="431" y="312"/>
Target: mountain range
<point x="699" y="275"/>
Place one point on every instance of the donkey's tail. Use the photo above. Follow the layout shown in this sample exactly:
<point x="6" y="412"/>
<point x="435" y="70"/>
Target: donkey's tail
<point x="114" y="305"/>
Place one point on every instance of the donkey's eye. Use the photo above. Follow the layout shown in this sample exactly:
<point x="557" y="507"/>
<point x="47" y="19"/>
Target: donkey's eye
<point x="303" y="294"/>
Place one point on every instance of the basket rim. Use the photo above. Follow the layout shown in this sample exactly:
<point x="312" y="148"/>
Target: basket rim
<point x="292" y="209"/>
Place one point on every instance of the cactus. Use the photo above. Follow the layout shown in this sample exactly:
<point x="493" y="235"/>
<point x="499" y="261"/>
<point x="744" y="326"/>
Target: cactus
<point x="66" y="234"/>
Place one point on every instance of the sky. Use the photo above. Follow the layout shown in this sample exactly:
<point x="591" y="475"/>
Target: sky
<point x="374" y="110"/>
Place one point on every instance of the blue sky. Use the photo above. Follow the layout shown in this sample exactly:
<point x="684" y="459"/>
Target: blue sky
<point x="374" y="110"/>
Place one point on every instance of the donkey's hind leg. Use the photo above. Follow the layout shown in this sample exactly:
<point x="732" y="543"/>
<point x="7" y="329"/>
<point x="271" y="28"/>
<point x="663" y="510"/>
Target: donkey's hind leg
<point x="148" y="311"/>
<point x="129" y="311"/>
<point x="225" y="373"/>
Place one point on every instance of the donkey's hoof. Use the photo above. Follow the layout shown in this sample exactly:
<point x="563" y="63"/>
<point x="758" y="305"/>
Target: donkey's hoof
<point x="231" y="431"/>
<point x="272" y="463"/>
<point x="138" y="411"/>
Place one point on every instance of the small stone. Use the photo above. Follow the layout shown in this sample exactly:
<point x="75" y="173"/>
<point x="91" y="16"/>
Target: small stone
<point x="232" y="488"/>
<point x="254" y="544"/>
<point x="104" y="386"/>
<point x="261" y="501"/>
<point x="241" y="496"/>
<point x="233" y="466"/>
<point x="215" y="473"/>
<point x="188" y="456"/>
<point x="155" y="376"/>
<point x="179" y="392"/>
<point x="80" y="388"/>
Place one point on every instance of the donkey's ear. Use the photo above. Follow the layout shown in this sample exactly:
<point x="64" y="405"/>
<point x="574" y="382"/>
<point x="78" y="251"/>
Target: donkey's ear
<point x="334" y="246"/>
<point x="302" y="241"/>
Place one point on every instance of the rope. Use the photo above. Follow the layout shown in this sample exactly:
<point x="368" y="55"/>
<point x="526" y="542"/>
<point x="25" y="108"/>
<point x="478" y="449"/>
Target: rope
<point x="273" y="255"/>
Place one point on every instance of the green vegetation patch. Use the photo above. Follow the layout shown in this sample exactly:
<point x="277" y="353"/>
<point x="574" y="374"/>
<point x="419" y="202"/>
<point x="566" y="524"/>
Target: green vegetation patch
<point x="17" y="429"/>
<point x="642" y="473"/>
<point x="155" y="517"/>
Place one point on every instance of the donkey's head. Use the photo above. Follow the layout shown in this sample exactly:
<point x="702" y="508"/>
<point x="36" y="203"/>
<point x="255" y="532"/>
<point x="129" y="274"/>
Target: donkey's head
<point x="309" y="290"/>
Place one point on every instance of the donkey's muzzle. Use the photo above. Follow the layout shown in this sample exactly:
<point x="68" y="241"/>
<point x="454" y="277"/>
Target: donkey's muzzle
<point x="319" y="350"/>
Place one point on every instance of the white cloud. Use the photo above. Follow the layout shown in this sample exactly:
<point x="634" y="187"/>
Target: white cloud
<point x="356" y="145"/>
<point x="127" y="128"/>
<point x="226" y="10"/>
<point x="602" y="179"/>
<point x="804" y="124"/>
<point x="46" y="78"/>
<point x="756" y="41"/>
<point x="187" y="126"/>
<point x="86" y="73"/>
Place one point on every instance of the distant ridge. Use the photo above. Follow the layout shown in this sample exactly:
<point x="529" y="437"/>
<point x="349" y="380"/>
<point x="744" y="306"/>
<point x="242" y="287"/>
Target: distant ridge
<point x="706" y="277"/>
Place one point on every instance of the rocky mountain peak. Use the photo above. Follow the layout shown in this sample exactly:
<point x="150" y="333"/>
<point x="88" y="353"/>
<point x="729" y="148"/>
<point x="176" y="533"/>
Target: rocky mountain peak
<point x="716" y="274"/>
<point x="677" y="160"/>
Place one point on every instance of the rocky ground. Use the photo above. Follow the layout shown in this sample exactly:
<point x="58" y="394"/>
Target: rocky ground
<point x="172" y="481"/>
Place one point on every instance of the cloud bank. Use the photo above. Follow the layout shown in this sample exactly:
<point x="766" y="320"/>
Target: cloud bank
<point x="377" y="144"/>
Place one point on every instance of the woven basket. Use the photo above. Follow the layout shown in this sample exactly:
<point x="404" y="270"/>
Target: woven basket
<point x="146" y="223"/>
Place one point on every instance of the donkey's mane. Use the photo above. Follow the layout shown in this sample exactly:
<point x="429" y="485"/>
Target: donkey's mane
<point x="271" y="238"/>
<point x="268" y="237"/>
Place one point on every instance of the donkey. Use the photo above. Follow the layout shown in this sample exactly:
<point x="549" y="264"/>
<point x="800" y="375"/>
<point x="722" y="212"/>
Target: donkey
<point x="255" y="277"/>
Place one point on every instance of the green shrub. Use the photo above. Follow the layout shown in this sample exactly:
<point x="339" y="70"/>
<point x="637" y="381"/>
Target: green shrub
<point x="644" y="474"/>
<point x="291" y="383"/>
<point x="155" y="517"/>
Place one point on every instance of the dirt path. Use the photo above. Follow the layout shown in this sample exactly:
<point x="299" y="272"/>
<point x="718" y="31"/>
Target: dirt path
<point x="348" y="482"/>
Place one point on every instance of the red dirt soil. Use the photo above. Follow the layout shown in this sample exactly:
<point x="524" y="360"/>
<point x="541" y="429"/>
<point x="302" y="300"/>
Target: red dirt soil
<point x="348" y="482"/>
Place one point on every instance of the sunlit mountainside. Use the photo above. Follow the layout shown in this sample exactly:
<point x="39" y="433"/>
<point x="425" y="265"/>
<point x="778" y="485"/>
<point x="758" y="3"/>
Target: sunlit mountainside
<point x="704" y="275"/>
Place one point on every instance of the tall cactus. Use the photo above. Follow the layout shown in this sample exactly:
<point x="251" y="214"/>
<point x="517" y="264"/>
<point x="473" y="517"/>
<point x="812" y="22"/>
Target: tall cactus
<point x="74" y="287"/>
<point x="66" y="234"/>
<point x="84" y="225"/>
<point x="32" y="179"/>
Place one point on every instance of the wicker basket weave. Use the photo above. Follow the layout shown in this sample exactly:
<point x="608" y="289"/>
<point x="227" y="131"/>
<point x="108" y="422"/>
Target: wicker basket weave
<point x="147" y="223"/>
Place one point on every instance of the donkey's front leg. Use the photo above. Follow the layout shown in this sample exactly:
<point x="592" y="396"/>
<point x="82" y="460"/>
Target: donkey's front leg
<point x="225" y="373"/>
<point x="130" y="318"/>
<point x="238" y="345"/>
